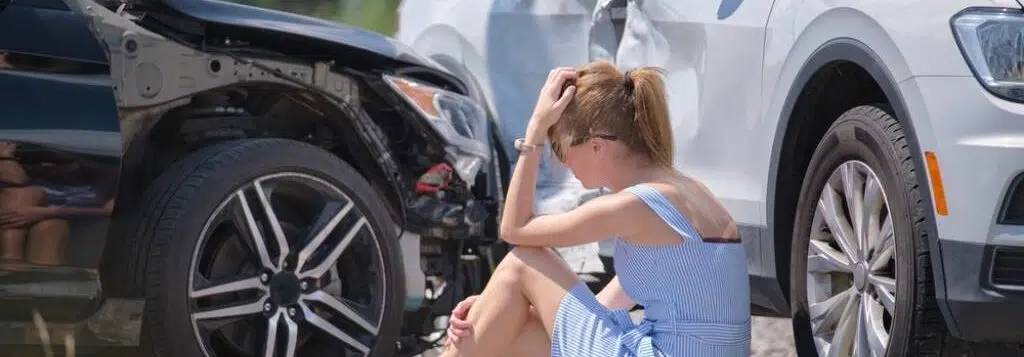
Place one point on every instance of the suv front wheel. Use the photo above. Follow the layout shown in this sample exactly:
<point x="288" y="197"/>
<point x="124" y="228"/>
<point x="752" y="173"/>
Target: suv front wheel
<point x="268" y="248"/>
<point x="860" y="270"/>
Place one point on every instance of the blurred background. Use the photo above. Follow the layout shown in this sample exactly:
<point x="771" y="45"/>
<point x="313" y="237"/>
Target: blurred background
<point x="376" y="15"/>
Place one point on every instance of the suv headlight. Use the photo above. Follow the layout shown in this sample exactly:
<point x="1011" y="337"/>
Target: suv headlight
<point x="992" y="41"/>
<point x="457" y="118"/>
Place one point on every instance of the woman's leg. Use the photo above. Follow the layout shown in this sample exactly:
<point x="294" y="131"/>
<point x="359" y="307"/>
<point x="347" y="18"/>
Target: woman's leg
<point x="46" y="242"/>
<point x="501" y="317"/>
<point x="12" y="240"/>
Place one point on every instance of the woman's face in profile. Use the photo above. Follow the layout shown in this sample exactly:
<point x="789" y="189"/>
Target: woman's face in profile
<point x="586" y="163"/>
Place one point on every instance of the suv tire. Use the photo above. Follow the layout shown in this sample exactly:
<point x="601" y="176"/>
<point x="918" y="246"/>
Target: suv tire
<point x="865" y="150"/>
<point x="194" y="211"/>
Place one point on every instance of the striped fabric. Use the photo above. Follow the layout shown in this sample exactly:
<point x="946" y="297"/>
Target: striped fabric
<point x="696" y="299"/>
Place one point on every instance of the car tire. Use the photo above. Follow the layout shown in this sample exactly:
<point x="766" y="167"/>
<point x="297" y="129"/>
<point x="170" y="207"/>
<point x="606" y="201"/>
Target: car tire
<point x="187" y="206"/>
<point x="866" y="153"/>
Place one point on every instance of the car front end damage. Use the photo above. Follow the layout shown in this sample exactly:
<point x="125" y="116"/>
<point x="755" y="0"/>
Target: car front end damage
<point x="185" y="80"/>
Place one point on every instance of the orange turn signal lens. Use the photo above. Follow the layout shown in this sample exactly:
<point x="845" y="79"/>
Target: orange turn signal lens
<point x="938" y="190"/>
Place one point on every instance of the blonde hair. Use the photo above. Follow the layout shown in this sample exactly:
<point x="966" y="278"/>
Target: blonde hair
<point x="629" y="107"/>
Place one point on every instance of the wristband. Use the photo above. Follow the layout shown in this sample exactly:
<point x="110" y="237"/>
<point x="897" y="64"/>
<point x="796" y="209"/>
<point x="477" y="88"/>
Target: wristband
<point x="521" y="146"/>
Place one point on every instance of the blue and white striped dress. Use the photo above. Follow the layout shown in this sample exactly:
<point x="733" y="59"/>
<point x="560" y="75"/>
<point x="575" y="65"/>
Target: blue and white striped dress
<point x="696" y="298"/>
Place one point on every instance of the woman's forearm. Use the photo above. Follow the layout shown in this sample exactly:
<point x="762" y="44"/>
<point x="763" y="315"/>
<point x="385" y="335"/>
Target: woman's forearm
<point x="522" y="187"/>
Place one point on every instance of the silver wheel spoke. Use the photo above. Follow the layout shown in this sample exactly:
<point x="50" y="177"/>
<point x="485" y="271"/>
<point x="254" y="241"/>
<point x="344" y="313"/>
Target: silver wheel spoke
<point x="270" y="345"/>
<point x="874" y="202"/>
<point x="875" y="338"/>
<point x="230" y="287"/>
<point x="323" y="266"/>
<point x="884" y="247"/>
<point x="885" y="288"/>
<point x="825" y="314"/>
<point x="275" y="225"/>
<point x="332" y="330"/>
<point x="823" y="259"/>
<point x="881" y="282"/>
<point x="252" y="308"/>
<point x="329" y="218"/>
<point x="273" y="329"/>
<point x="846" y="328"/>
<point x="255" y="234"/>
<point x="293" y="337"/>
<point x="342" y="309"/>
<point x="853" y="192"/>
<point x="830" y="209"/>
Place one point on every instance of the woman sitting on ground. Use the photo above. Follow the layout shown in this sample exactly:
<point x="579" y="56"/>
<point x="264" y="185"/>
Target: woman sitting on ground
<point x="677" y="250"/>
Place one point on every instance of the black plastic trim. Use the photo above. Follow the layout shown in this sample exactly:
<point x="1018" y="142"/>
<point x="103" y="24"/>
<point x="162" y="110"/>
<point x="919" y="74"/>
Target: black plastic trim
<point x="1016" y="188"/>
<point x="978" y="310"/>
<point x="988" y="279"/>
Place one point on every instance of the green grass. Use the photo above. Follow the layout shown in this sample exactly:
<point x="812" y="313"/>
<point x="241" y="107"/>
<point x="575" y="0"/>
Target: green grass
<point x="374" y="15"/>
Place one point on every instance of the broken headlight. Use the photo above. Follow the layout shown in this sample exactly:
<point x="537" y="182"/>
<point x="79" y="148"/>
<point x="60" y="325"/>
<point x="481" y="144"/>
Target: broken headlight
<point x="992" y="41"/>
<point x="460" y="120"/>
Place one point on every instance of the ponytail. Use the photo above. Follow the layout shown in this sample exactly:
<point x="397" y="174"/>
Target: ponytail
<point x="646" y="90"/>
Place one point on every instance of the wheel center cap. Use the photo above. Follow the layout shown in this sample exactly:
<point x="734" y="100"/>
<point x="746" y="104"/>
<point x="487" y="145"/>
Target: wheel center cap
<point x="860" y="276"/>
<point x="284" y="289"/>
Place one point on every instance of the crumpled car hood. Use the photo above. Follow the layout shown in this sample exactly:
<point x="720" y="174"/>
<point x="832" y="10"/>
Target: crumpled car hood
<point x="253" y="17"/>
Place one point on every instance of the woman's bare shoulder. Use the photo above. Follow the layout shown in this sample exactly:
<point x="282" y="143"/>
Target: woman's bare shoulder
<point x="699" y="205"/>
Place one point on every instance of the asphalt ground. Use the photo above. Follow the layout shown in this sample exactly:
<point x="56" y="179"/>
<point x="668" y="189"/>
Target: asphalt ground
<point x="770" y="337"/>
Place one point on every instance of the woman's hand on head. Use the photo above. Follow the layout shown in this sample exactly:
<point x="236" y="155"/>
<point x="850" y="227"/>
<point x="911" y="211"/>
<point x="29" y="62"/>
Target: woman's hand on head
<point x="459" y="325"/>
<point x="552" y="101"/>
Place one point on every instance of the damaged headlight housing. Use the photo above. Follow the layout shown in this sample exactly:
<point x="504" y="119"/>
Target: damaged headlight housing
<point x="992" y="41"/>
<point x="460" y="120"/>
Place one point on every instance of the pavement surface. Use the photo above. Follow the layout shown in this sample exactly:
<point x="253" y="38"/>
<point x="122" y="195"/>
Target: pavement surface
<point x="770" y="337"/>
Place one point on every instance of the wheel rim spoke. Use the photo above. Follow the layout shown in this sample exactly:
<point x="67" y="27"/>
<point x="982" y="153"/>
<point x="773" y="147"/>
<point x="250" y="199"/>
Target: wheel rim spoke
<point x="332" y="330"/>
<point x="270" y="345"/>
<point x="827" y="313"/>
<point x="853" y="212"/>
<point x="875" y="336"/>
<point x="884" y="247"/>
<point x="273" y="334"/>
<point x="884" y="288"/>
<point x="874" y="202"/>
<point x="321" y="268"/>
<point x="251" y="230"/>
<point x="343" y="309"/>
<point x="275" y="225"/>
<point x="830" y="210"/>
<point x="846" y="328"/>
<point x="853" y="192"/>
<point x="325" y="224"/>
<point x="252" y="283"/>
<point x="824" y="259"/>
<point x="239" y="310"/>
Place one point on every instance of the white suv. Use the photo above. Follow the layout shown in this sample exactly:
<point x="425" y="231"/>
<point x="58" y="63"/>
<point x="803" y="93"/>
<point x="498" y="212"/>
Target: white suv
<point x="872" y="150"/>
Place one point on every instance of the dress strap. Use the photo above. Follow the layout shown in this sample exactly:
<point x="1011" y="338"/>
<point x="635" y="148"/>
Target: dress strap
<point x="666" y="211"/>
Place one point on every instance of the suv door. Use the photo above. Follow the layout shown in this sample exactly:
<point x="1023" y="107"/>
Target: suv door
<point x="60" y="149"/>
<point x="712" y="52"/>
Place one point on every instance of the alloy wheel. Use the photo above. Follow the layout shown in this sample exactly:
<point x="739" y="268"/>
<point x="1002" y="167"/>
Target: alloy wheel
<point x="287" y="265"/>
<point x="851" y="278"/>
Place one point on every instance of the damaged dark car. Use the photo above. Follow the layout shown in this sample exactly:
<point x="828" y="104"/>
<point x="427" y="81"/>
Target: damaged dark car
<point x="202" y="178"/>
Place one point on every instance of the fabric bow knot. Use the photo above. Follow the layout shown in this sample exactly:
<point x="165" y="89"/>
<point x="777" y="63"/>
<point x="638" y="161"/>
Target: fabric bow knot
<point x="635" y="337"/>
